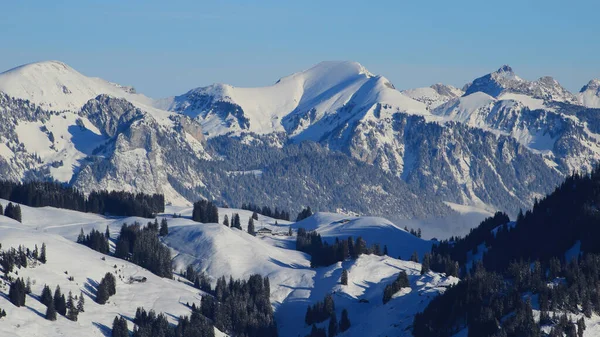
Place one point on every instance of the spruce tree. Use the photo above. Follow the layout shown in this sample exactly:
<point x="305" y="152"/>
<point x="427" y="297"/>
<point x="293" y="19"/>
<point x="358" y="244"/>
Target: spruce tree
<point x="107" y="233"/>
<point x="226" y="221"/>
<point x="164" y="228"/>
<point x="251" y="230"/>
<point x="72" y="311"/>
<point x="43" y="253"/>
<point x="80" y="303"/>
<point x="344" y="321"/>
<point x="16" y="292"/>
<point x="60" y="304"/>
<point x="46" y="298"/>
<point x="102" y="293"/>
<point x="255" y="216"/>
<point x="119" y="327"/>
<point x="344" y="278"/>
<point x="333" y="325"/>
<point x="51" y="312"/>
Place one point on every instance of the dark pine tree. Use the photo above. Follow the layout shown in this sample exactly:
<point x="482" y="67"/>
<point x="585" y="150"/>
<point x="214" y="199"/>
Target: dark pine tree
<point x="164" y="227"/>
<point x="43" y="253"/>
<point x="344" y="321"/>
<point x="60" y="304"/>
<point x="333" y="325"/>
<point x="46" y="297"/>
<point x="251" y="230"/>
<point x="51" y="312"/>
<point x="344" y="278"/>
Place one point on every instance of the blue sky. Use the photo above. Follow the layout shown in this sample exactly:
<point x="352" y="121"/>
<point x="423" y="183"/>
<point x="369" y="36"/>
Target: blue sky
<point x="165" y="49"/>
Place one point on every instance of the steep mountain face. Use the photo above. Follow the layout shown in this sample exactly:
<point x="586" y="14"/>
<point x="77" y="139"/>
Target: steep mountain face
<point x="108" y="144"/>
<point x="589" y="95"/>
<point x="140" y="154"/>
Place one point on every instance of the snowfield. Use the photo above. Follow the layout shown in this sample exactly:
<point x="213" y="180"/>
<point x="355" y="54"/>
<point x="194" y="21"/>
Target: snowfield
<point x="218" y="251"/>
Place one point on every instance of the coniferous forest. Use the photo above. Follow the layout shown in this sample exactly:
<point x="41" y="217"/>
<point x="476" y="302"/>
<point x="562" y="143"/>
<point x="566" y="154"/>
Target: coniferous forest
<point x="40" y="194"/>
<point x="523" y="262"/>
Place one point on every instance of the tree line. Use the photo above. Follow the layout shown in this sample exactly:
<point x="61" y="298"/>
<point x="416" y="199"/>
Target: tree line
<point x="54" y="194"/>
<point x="205" y="211"/>
<point x="267" y="211"/>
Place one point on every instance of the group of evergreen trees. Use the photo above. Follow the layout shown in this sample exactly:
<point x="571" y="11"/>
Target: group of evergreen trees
<point x="324" y="254"/>
<point x="143" y="247"/>
<point x="522" y="260"/>
<point x="235" y="221"/>
<point x="17" y="292"/>
<point x="12" y="211"/>
<point x="125" y="203"/>
<point x="41" y="193"/>
<point x="305" y="213"/>
<point x="106" y="288"/>
<point x="95" y="240"/>
<point x="205" y="211"/>
<point x="267" y="211"/>
<point x="12" y="257"/>
<point x="119" y="327"/>
<point x="439" y="263"/>
<point x="414" y="232"/>
<point x="241" y="308"/>
<point x="322" y="311"/>
<point x="400" y="282"/>
<point x="58" y="304"/>
<point x="200" y="280"/>
<point x="150" y="324"/>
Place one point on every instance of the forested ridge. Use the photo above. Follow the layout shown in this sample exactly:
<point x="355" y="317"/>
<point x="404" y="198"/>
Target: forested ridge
<point x="524" y="267"/>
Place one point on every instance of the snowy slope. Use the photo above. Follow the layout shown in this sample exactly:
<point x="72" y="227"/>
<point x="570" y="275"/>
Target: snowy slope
<point x="66" y="258"/>
<point x="293" y="104"/>
<point x="55" y="86"/>
<point x="219" y="251"/>
<point x="372" y="229"/>
<point x="434" y="95"/>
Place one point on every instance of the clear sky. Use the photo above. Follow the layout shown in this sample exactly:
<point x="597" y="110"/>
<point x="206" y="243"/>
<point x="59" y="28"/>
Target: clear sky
<point x="165" y="48"/>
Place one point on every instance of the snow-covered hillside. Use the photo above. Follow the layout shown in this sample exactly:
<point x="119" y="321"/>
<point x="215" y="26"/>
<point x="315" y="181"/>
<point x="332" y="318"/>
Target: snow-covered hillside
<point x="219" y="251"/>
<point x="56" y="86"/>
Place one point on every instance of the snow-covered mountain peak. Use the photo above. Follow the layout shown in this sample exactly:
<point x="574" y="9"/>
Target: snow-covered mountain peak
<point x="294" y="103"/>
<point x="56" y="86"/>
<point x="589" y="95"/>
<point x="504" y="81"/>
<point x="506" y="71"/>
<point x="592" y="85"/>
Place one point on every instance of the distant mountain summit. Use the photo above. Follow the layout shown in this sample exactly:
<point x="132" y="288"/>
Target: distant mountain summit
<point x="589" y="95"/>
<point x="504" y="80"/>
<point x="306" y="104"/>
<point x="53" y="85"/>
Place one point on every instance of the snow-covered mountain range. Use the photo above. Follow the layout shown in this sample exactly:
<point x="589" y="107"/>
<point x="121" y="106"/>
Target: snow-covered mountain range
<point x="498" y="143"/>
